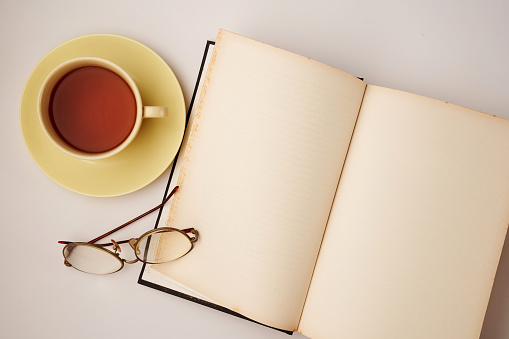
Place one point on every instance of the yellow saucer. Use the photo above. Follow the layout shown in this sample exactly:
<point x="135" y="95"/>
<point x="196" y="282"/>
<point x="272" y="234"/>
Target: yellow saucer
<point x="147" y="156"/>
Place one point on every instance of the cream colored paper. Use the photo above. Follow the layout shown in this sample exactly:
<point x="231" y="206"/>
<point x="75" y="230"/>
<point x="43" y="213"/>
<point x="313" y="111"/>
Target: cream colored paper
<point x="259" y="175"/>
<point x="418" y="224"/>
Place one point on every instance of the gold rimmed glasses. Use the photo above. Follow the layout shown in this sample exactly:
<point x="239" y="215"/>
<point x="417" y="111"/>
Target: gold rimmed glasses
<point x="94" y="258"/>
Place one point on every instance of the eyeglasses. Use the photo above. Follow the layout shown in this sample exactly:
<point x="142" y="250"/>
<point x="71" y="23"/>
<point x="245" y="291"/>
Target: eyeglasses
<point x="170" y="244"/>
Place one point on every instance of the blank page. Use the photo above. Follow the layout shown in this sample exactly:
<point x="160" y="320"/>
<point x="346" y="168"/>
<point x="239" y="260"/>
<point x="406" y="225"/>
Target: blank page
<point x="417" y="226"/>
<point x="259" y="175"/>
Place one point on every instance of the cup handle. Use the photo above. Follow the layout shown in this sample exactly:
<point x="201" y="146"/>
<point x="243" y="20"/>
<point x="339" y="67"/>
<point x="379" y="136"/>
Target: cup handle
<point x="155" y="111"/>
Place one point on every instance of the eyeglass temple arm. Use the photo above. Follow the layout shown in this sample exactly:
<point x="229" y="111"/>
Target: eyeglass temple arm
<point x="137" y="218"/>
<point x="63" y="242"/>
<point x="187" y="230"/>
<point x="129" y="222"/>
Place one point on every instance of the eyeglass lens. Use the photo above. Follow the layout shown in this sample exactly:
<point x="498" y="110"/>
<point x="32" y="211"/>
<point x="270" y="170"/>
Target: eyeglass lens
<point x="91" y="259"/>
<point x="160" y="246"/>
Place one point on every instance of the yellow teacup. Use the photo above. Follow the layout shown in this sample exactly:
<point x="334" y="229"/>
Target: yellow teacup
<point x="90" y="108"/>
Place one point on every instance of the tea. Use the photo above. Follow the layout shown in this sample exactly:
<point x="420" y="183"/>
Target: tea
<point x="93" y="109"/>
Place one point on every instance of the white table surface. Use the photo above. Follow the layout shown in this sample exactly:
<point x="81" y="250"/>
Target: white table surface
<point x="456" y="51"/>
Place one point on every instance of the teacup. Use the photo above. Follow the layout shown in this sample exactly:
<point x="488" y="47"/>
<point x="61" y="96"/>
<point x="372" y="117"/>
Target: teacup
<point x="91" y="108"/>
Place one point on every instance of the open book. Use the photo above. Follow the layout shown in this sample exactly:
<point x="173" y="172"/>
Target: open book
<point x="335" y="208"/>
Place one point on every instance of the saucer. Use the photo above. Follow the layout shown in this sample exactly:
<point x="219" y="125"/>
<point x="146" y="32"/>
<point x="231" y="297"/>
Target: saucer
<point x="153" y="149"/>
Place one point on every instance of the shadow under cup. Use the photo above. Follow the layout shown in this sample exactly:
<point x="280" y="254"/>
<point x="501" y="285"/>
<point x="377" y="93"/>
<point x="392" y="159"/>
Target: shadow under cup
<point x="90" y="108"/>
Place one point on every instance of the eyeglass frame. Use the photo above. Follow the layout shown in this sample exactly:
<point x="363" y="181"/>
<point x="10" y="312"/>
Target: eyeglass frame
<point x="133" y="241"/>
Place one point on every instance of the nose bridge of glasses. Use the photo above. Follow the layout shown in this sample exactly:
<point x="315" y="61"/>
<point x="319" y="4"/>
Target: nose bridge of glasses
<point x="131" y="261"/>
<point x="132" y="242"/>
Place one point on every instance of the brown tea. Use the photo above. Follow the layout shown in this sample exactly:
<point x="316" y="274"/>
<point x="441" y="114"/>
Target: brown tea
<point x="93" y="109"/>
